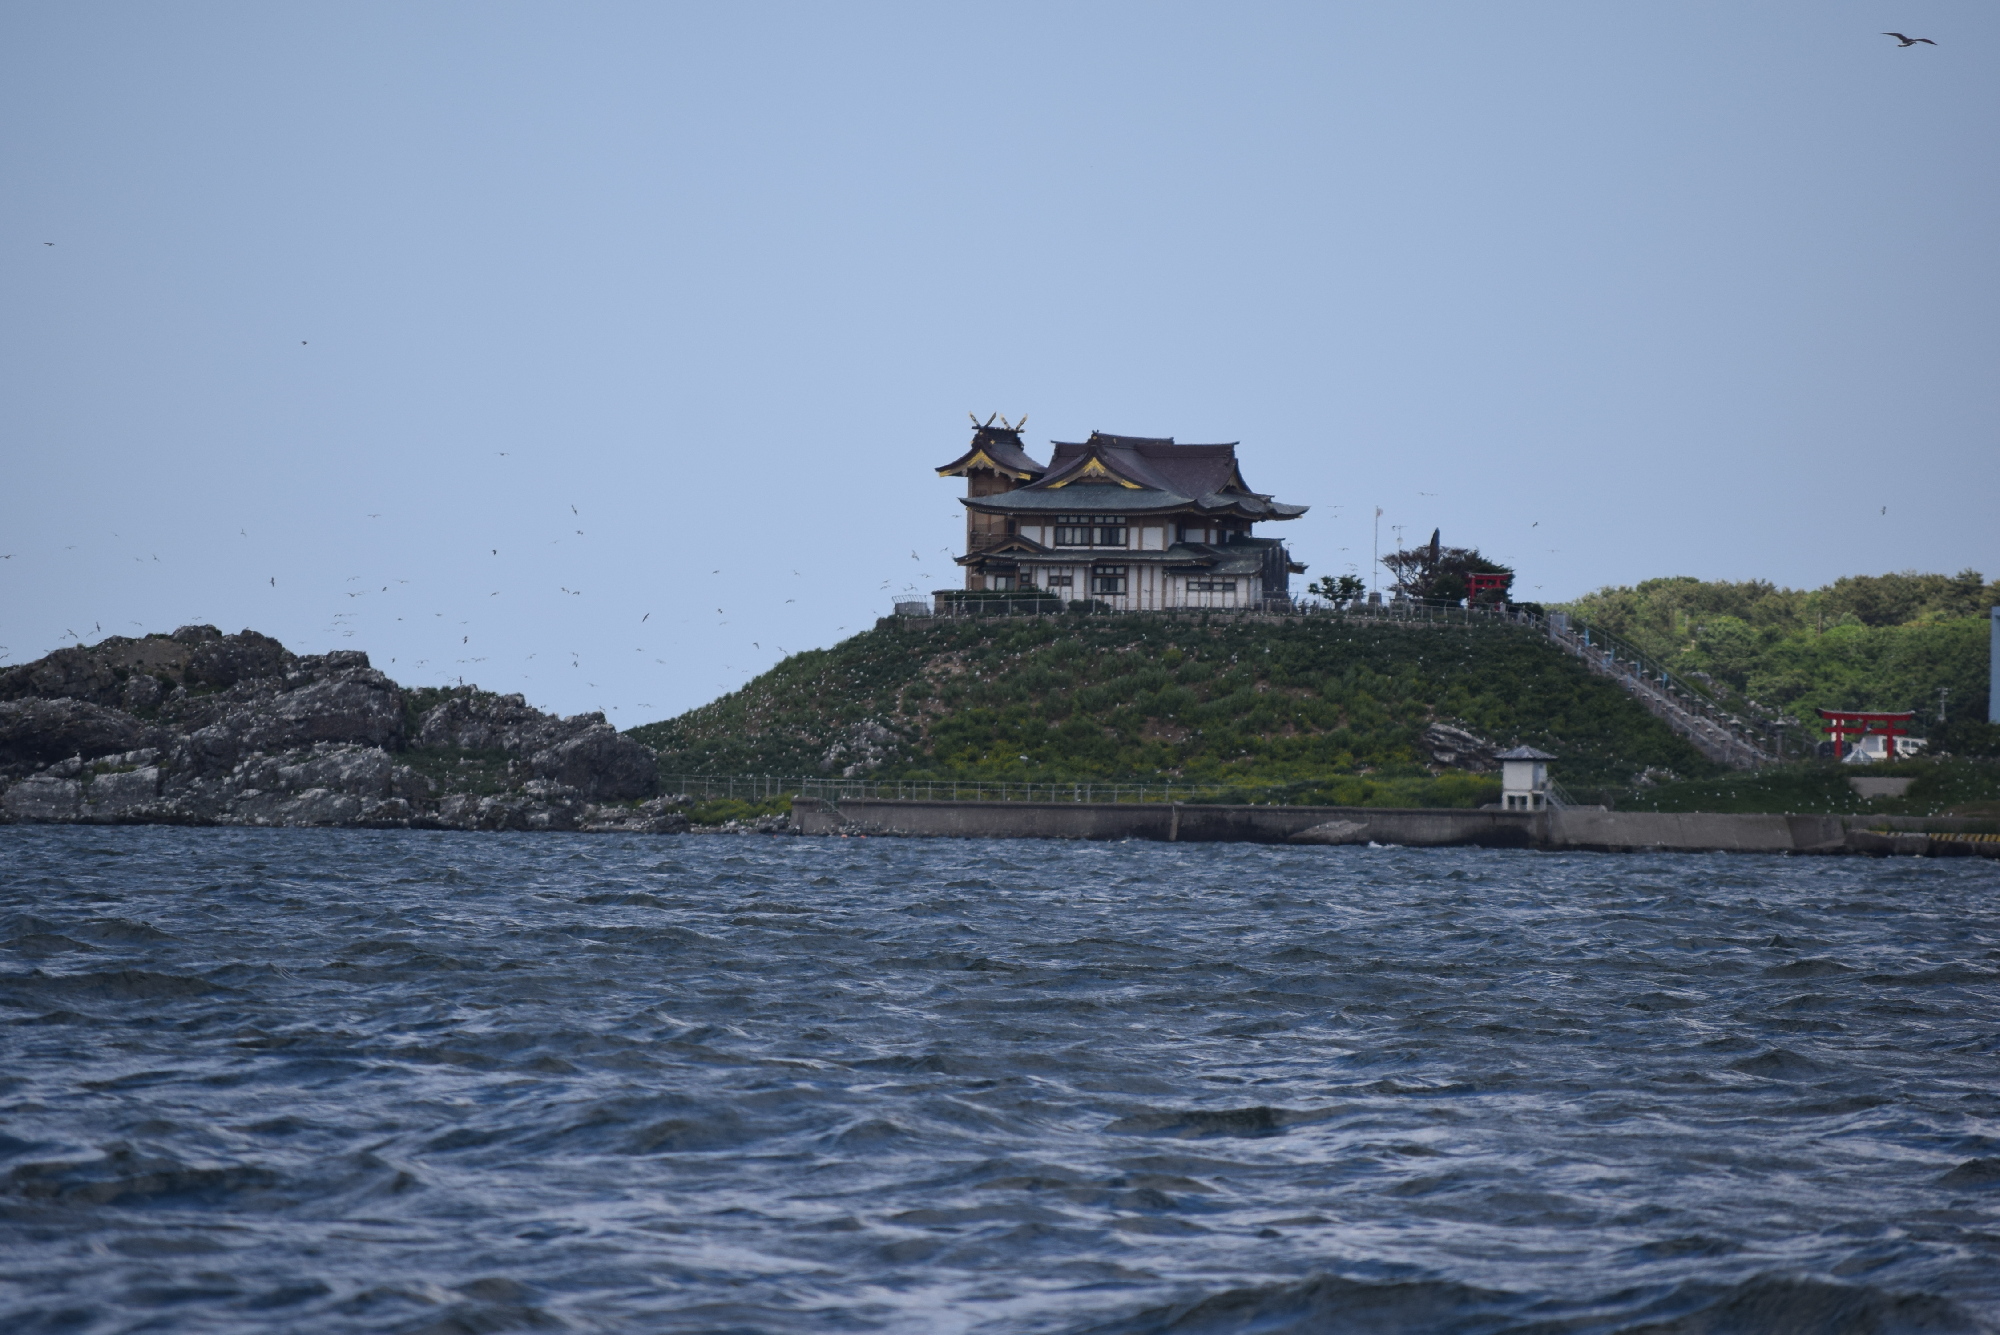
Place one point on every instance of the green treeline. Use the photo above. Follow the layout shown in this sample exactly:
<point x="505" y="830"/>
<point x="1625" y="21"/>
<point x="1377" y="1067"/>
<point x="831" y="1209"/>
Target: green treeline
<point x="1863" y="642"/>
<point x="1337" y="709"/>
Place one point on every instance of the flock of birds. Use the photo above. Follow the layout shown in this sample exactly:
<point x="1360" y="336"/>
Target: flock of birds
<point x="1902" y="40"/>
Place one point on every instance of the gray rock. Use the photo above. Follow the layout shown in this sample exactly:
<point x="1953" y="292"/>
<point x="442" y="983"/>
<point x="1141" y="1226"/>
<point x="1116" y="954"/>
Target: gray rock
<point x="479" y="722"/>
<point x="1451" y="747"/>
<point x="123" y="795"/>
<point x="43" y="798"/>
<point x="141" y="694"/>
<point x="460" y="811"/>
<point x="120" y="672"/>
<point x="410" y="786"/>
<point x="36" y="731"/>
<point x="319" y="806"/>
<point x="599" y="763"/>
<point x="860" y="748"/>
<point x="393" y="811"/>
<point x="358" y="707"/>
<point x="360" y="771"/>
<point x="654" y="817"/>
<point x="238" y="730"/>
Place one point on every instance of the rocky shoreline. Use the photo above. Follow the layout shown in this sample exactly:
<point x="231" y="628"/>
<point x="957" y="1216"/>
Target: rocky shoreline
<point x="202" y="728"/>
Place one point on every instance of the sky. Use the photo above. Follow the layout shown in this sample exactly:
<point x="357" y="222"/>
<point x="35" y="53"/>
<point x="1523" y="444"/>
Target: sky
<point x="605" y="352"/>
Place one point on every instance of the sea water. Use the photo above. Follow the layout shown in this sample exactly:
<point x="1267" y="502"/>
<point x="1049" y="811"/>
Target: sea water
<point x="386" y="1081"/>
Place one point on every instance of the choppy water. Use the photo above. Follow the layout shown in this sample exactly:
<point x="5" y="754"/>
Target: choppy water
<point x="334" y="1081"/>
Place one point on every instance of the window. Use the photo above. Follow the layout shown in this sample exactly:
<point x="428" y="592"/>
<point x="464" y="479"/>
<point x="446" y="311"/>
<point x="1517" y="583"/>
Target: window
<point x="1090" y="531"/>
<point x="1059" y="581"/>
<point x="1211" y="586"/>
<point x="1108" y="580"/>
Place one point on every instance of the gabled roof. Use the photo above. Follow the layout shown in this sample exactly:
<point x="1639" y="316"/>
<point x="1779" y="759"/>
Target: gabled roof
<point x="1011" y="545"/>
<point x="1129" y="474"/>
<point x="998" y="448"/>
<point x="1524" y="753"/>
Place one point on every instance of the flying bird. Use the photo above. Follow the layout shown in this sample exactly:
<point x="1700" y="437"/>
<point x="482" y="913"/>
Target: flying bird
<point x="1909" y="41"/>
<point x="274" y="581"/>
<point x="48" y="243"/>
<point x="572" y="509"/>
<point x="642" y="620"/>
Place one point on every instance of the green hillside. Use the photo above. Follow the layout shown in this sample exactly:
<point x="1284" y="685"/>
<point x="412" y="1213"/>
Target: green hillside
<point x="1864" y="642"/>
<point x="1337" y="708"/>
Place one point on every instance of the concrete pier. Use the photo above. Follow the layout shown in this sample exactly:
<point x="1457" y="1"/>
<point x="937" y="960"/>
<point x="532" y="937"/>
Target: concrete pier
<point x="1592" y="829"/>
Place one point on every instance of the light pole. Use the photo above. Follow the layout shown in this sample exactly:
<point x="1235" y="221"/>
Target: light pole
<point x="1375" y="564"/>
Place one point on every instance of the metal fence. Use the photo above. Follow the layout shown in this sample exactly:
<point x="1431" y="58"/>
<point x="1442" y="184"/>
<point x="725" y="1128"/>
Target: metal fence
<point x="1408" y="610"/>
<point x="1721" y="732"/>
<point x="764" y="787"/>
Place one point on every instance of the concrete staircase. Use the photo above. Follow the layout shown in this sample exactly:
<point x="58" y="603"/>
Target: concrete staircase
<point x="1724" y="737"/>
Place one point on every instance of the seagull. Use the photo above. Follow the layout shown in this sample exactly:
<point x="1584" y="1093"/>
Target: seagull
<point x="572" y="509"/>
<point x="1909" y="41"/>
<point x="48" y="243"/>
<point x="274" y="581"/>
<point x="642" y="620"/>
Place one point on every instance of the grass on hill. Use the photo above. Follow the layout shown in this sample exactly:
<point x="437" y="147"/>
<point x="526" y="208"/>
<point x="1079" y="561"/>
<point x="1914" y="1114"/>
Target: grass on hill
<point x="1943" y="787"/>
<point x="1333" y="709"/>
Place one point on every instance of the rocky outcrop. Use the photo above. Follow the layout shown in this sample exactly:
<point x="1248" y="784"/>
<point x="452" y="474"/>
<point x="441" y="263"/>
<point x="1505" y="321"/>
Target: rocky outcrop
<point x="582" y="752"/>
<point x="1449" y="747"/>
<point x="41" y="732"/>
<point x="860" y="748"/>
<point x="205" y="728"/>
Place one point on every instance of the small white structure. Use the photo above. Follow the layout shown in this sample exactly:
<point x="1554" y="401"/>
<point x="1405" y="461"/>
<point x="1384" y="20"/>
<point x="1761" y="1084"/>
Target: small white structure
<point x="1524" y="779"/>
<point x="1872" y="747"/>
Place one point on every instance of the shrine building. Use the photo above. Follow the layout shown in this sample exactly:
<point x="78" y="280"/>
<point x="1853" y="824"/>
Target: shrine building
<point x="1131" y="521"/>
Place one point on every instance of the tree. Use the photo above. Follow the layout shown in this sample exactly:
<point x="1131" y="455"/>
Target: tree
<point x="1434" y="573"/>
<point x="1339" y="591"/>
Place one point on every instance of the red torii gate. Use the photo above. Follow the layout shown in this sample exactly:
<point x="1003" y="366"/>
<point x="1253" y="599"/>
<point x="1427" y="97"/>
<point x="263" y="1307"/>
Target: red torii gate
<point x="1478" y="582"/>
<point x="1843" y="724"/>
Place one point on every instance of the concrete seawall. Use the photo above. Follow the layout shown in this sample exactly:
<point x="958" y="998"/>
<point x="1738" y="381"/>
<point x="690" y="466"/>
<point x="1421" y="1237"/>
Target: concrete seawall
<point x="1593" y="829"/>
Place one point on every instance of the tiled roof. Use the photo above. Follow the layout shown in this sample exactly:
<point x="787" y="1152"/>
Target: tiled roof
<point x="1165" y="476"/>
<point x="1002" y="446"/>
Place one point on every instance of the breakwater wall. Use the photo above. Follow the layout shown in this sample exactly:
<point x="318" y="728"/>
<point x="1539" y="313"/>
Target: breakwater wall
<point x="1589" y="829"/>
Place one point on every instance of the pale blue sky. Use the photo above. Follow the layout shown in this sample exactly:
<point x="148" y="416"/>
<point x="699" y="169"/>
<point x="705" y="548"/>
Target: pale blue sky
<point x="348" y="297"/>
